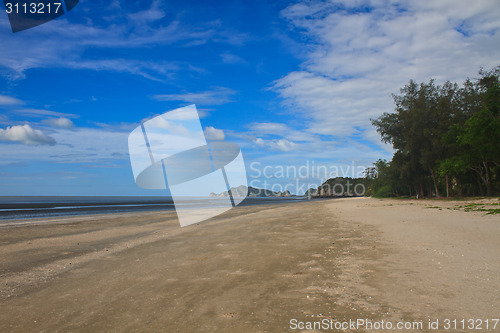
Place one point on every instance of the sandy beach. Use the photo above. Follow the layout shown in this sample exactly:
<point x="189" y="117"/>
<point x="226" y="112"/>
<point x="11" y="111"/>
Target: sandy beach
<point x="253" y="269"/>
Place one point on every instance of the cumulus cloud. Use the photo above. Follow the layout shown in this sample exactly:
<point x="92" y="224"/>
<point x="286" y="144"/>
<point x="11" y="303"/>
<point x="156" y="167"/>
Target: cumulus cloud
<point x="277" y="144"/>
<point x="95" y="147"/>
<point x="25" y="134"/>
<point x="59" y="122"/>
<point x="362" y="53"/>
<point x="215" y="134"/>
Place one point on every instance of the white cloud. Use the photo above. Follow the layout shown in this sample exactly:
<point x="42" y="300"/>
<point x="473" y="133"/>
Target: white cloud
<point x="59" y="122"/>
<point x="7" y="100"/>
<point x="61" y="44"/>
<point x="153" y="70"/>
<point x="151" y="14"/>
<point x="43" y="113"/>
<point x="229" y="58"/>
<point x="95" y="147"/>
<point x="277" y="144"/>
<point x="360" y="57"/>
<point x="218" y="96"/>
<point x="26" y="135"/>
<point x="279" y="129"/>
<point x="215" y="134"/>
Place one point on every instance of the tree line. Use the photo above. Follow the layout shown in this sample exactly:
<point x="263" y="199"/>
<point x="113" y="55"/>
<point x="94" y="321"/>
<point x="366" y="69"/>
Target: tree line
<point x="446" y="140"/>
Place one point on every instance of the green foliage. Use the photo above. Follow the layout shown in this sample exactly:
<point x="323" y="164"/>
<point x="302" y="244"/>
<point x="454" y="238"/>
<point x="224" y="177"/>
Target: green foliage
<point x="384" y="192"/>
<point x="447" y="139"/>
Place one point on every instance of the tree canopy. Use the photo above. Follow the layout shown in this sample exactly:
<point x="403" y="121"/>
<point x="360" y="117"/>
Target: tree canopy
<point x="446" y="137"/>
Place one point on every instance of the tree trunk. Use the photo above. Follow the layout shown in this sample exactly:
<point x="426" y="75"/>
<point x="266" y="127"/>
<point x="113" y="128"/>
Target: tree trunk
<point x="479" y="182"/>
<point x="483" y="176"/>
<point x="487" y="178"/>
<point x="447" y="187"/>
<point x="435" y="184"/>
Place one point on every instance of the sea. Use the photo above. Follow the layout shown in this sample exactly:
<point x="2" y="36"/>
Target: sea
<point x="26" y="207"/>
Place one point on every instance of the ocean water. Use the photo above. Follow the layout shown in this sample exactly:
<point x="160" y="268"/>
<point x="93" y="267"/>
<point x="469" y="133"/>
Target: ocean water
<point x="16" y="208"/>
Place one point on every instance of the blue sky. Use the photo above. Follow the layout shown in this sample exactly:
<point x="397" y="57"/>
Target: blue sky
<point x="293" y="83"/>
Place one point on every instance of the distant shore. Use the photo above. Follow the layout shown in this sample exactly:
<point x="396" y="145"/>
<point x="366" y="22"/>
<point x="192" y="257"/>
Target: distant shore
<point x="253" y="268"/>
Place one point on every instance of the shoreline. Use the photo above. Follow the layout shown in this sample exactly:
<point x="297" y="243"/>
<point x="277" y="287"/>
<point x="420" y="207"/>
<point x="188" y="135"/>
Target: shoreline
<point x="251" y="269"/>
<point x="15" y="209"/>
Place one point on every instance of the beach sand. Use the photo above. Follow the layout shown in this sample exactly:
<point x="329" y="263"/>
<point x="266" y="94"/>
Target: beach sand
<point x="251" y="269"/>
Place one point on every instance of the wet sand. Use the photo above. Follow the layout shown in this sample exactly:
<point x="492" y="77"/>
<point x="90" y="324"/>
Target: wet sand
<point x="252" y="269"/>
